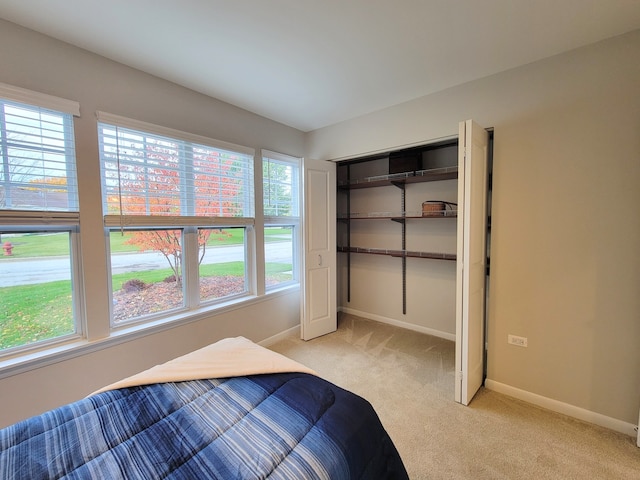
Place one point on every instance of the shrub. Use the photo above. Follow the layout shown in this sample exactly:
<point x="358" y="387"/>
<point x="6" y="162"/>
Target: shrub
<point x="133" y="285"/>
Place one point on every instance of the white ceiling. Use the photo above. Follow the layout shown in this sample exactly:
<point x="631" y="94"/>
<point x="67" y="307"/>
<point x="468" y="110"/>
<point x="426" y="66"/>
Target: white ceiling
<point x="312" y="63"/>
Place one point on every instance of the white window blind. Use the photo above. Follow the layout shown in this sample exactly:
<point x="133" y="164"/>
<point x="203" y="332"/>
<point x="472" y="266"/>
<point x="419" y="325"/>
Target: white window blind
<point x="150" y="174"/>
<point x="281" y="185"/>
<point x="38" y="170"/>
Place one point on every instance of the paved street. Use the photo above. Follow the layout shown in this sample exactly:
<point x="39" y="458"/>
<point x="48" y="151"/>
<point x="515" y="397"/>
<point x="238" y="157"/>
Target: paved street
<point x="27" y="272"/>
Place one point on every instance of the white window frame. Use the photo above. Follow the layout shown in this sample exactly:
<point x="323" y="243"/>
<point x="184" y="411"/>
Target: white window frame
<point x="292" y="221"/>
<point x="50" y="219"/>
<point x="188" y="224"/>
<point x="32" y="222"/>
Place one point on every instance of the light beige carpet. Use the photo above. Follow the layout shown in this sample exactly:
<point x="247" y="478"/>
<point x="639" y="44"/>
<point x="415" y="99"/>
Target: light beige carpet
<point x="408" y="378"/>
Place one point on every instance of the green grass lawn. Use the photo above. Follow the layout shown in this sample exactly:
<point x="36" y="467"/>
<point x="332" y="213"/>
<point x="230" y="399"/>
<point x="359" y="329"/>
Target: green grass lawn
<point x="29" y="245"/>
<point x="32" y="313"/>
<point x="154" y="276"/>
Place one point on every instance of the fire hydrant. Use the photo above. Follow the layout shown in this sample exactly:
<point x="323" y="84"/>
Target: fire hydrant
<point x="8" y="248"/>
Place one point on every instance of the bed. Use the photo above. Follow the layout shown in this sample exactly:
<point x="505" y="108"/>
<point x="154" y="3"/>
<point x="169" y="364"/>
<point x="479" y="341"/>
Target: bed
<point x="232" y="410"/>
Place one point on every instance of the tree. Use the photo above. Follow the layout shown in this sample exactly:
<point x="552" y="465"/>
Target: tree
<point x="168" y="243"/>
<point x="152" y="183"/>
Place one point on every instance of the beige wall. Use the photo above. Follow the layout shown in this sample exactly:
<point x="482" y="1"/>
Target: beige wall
<point x="565" y="261"/>
<point x="565" y="269"/>
<point x="36" y="62"/>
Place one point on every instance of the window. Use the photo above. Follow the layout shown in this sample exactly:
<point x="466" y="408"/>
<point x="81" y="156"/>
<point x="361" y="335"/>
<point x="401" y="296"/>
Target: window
<point x="146" y="273"/>
<point x="36" y="287"/>
<point x="39" y="221"/>
<point x="281" y="200"/>
<point x="222" y="265"/>
<point x="179" y="209"/>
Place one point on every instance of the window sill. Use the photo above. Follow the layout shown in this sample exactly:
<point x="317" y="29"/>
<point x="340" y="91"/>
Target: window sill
<point x="30" y="360"/>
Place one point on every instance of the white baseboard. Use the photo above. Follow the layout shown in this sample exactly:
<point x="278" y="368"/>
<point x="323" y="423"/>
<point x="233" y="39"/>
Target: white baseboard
<point x="267" y="342"/>
<point x="563" y="408"/>
<point x="398" y="323"/>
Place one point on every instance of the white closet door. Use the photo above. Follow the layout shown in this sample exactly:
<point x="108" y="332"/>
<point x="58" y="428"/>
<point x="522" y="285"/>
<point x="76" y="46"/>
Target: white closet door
<point x="471" y="260"/>
<point x="319" y="302"/>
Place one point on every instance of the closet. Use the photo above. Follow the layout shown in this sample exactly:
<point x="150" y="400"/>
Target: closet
<point x="412" y="242"/>
<point x="394" y="193"/>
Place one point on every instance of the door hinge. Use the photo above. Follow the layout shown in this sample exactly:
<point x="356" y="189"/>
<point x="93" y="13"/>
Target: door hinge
<point x="459" y="376"/>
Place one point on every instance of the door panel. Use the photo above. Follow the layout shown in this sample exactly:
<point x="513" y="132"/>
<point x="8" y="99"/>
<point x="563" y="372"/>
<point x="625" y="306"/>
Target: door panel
<point x="471" y="260"/>
<point x="319" y="303"/>
<point x="319" y="284"/>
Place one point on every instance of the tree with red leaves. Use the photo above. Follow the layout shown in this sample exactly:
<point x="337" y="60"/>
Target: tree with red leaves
<point x="158" y="187"/>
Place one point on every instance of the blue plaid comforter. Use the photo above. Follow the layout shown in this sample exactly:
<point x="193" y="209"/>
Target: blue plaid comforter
<point x="278" y="426"/>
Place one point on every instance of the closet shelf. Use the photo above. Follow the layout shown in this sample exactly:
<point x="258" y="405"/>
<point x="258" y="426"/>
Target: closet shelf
<point x="397" y="215"/>
<point x="399" y="253"/>
<point x="397" y="170"/>
<point x="419" y="176"/>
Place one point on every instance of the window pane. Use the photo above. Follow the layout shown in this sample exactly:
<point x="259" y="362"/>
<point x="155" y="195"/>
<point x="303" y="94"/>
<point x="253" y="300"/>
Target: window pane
<point x="281" y="189"/>
<point x="37" y="159"/>
<point x="280" y="195"/>
<point x="36" y="296"/>
<point x="149" y="174"/>
<point x="223" y="269"/>
<point x="279" y="255"/>
<point x="146" y="273"/>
